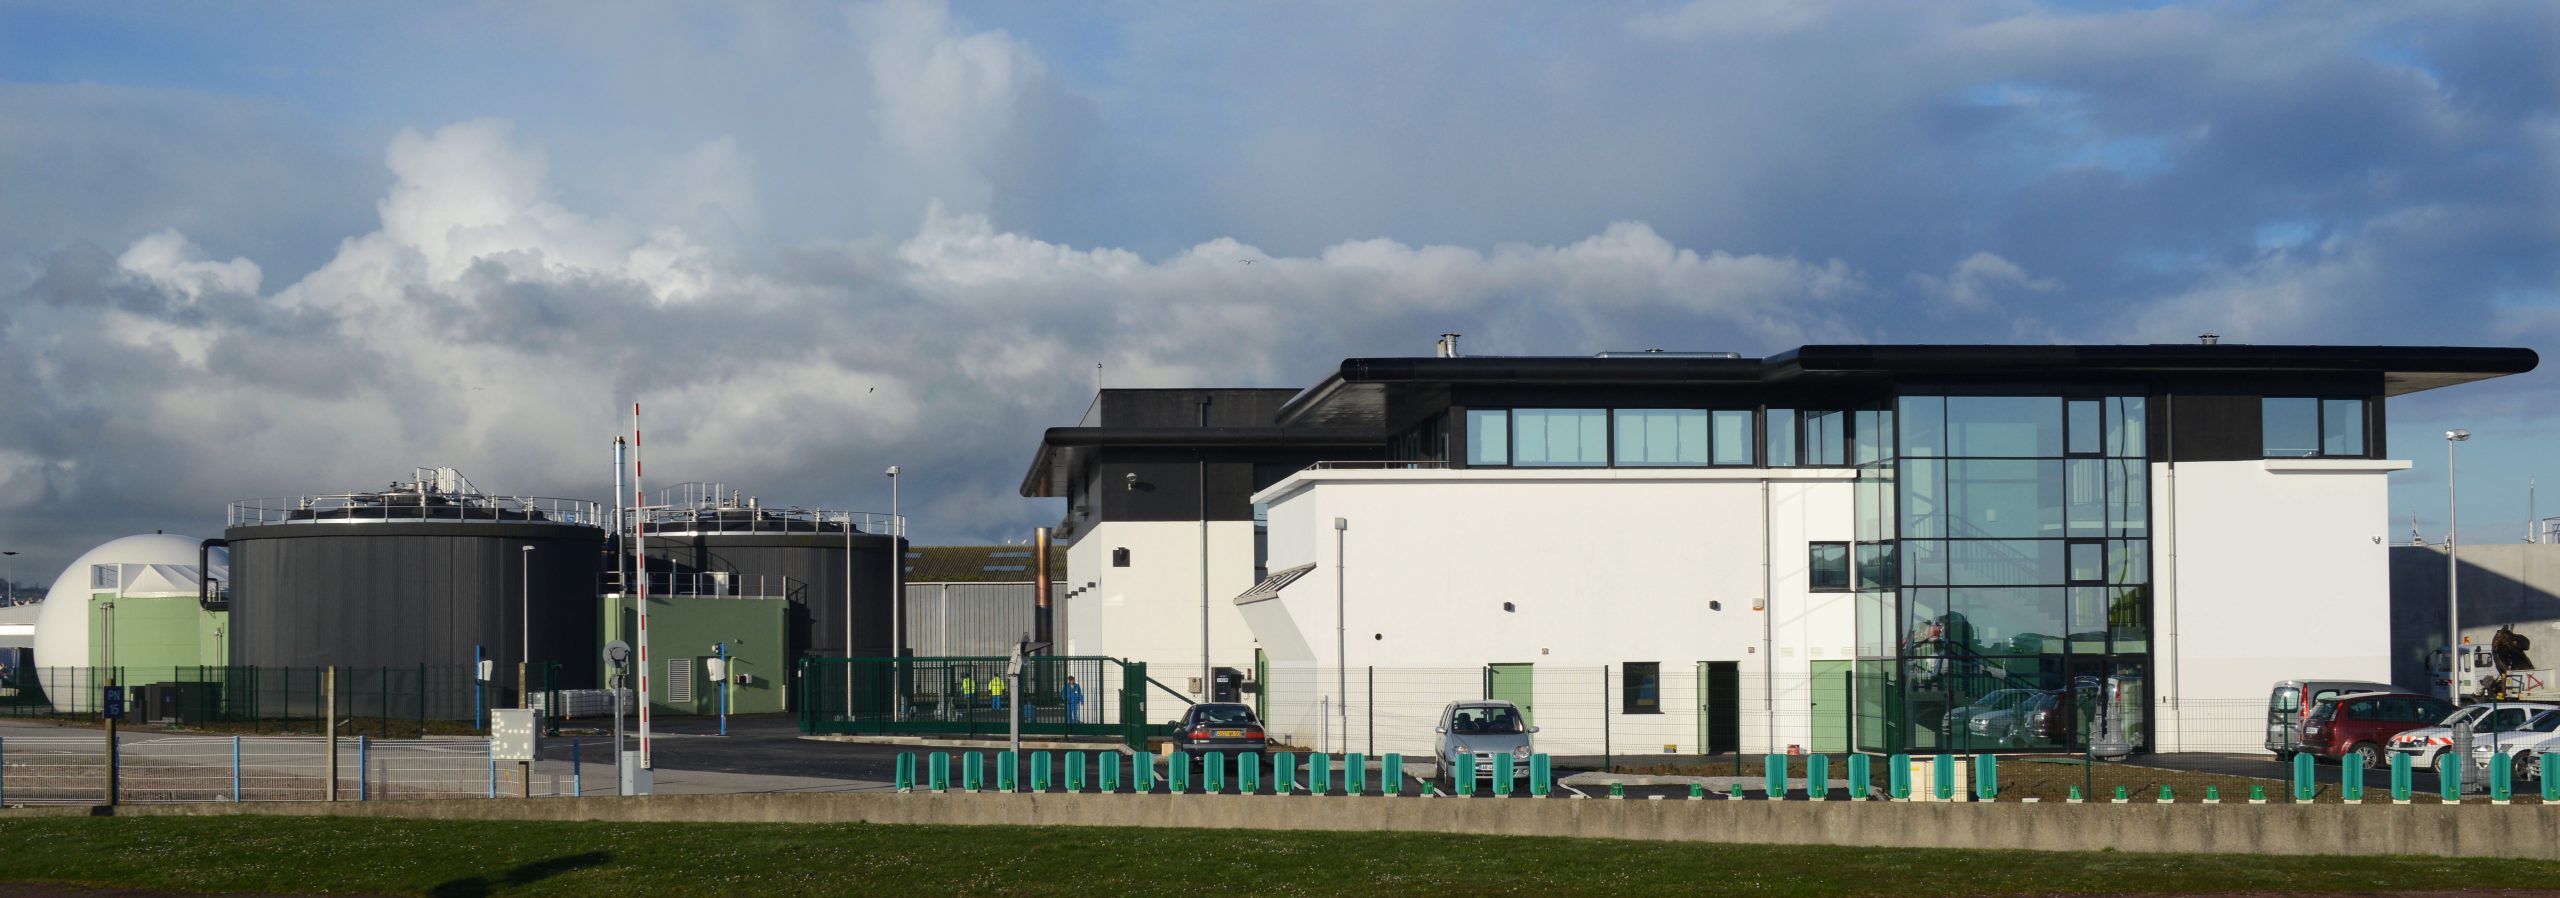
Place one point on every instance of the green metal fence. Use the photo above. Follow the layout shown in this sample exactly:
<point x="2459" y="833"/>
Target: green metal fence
<point x="960" y="697"/>
<point x="379" y="701"/>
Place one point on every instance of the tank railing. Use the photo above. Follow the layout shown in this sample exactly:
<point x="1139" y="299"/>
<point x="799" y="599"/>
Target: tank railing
<point x="769" y="519"/>
<point x="1379" y="465"/>
<point x="356" y="507"/>
<point x="709" y="585"/>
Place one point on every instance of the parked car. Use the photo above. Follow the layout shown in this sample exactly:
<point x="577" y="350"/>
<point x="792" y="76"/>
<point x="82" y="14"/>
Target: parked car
<point x="2523" y="746"/>
<point x="1219" y="726"/>
<point x="2022" y="722"/>
<point x="2359" y="724"/>
<point x="2290" y="704"/>
<point x="1483" y="729"/>
<point x="2424" y="744"/>
<point x="1984" y="718"/>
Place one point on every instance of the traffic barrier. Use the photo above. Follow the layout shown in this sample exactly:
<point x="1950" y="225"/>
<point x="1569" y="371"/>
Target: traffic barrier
<point x="1773" y="776"/>
<point x="1213" y="771"/>
<point x="2547" y="770"/>
<point x="1109" y="770"/>
<point x="939" y="771"/>
<point x="1355" y="774"/>
<point x="1142" y="772"/>
<point x="1858" y="779"/>
<point x="1284" y="773"/>
<point x="1946" y="777"/>
<point x="2351" y="778"/>
<point x="2400" y="777"/>
<point x="1462" y="775"/>
<point x="1040" y="771"/>
<point x="2501" y="777"/>
<point x="1391" y="775"/>
<point x="906" y="771"/>
<point x="1248" y="775"/>
<point x="2449" y="776"/>
<point x="1075" y="771"/>
<point x="1007" y="767"/>
<point x="2304" y="787"/>
<point x="1817" y="777"/>
<point x="1986" y="776"/>
<point x="1542" y="775"/>
<point x="1898" y="777"/>
<point x="1177" y="773"/>
<point x="973" y="771"/>
<point x="1502" y="775"/>
<point x="1319" y="773"/>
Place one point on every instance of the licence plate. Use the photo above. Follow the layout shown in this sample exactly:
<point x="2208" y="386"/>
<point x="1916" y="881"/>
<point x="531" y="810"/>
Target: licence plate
<point x="1230" y="734"/>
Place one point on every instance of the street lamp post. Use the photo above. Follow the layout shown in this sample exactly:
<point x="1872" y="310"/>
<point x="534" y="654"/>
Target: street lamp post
<point x="2452" y="572"/>
<point x="524" y="625"/>
<point x="12" y="580"/>
<point x="1341" y="625"/>
<point x="897" y="603"/>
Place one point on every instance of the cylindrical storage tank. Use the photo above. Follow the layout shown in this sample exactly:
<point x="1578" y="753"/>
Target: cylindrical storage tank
<point x="427" y="577"/>
<point x="830" y="563"/>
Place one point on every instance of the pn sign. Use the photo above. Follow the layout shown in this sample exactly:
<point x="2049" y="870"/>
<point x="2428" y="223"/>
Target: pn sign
<point x="515" y="734"/>
<point x="115" y="703"/>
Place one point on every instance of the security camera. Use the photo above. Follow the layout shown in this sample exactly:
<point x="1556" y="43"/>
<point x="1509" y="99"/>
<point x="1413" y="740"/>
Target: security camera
<point x="1129" y="482"/>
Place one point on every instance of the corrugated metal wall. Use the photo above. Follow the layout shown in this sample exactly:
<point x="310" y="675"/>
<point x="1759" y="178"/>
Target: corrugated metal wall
<point x="966" y="619"/>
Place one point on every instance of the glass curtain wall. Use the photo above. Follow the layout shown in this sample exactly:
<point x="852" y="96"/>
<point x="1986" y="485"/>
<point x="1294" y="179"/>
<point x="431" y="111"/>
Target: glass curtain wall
<point x="2016" y="531"/>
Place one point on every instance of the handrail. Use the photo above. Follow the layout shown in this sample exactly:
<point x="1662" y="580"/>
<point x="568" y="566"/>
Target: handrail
<point x="343" y="508"/>
<point x="1186" y="699"/>
<point x="1379" y="465"/>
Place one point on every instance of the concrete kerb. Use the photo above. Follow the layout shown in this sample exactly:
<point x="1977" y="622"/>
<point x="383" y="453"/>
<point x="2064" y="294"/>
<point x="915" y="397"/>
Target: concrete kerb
<point x="2514" y="831"/>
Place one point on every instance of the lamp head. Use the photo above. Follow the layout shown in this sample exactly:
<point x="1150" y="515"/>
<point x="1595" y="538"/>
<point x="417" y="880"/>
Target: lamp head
<point x="1129" y="482"/>
<point x="893" y="470"/>
<point x="2457" y="435"/>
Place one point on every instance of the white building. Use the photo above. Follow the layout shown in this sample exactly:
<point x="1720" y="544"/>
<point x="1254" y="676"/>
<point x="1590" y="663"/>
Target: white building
<point x="1880" y="548"/>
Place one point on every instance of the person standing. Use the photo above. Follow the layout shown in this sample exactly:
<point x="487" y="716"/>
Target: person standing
<point x="1073" y="696"/>
<point x="995" y="690"/>
<point x="968" y="694"/>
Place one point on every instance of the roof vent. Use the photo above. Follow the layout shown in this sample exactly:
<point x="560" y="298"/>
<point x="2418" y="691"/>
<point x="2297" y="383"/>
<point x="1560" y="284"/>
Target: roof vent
<point x="2209" y="338"/>
<point x="1447" y="347"/>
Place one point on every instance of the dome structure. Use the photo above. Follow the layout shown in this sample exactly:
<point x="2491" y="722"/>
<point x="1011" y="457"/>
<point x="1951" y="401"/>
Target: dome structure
<point x="168" y="630"/>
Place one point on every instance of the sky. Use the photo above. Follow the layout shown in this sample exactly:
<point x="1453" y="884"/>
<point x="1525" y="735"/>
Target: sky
<point x="262" y="250"/>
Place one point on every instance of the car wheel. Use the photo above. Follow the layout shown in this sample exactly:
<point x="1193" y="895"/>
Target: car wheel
<point x="2367" y="755"/>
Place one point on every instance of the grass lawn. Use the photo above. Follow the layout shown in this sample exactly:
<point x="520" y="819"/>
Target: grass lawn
<point x="296" y="855"/>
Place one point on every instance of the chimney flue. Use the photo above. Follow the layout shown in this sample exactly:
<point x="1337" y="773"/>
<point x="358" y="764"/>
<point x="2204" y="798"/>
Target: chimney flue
<point x="1447" y="348"/>
<point x="2210" y="339"/>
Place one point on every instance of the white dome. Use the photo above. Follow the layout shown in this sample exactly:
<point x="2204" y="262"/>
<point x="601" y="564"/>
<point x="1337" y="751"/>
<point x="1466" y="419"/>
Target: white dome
<point x="62" y="625"/>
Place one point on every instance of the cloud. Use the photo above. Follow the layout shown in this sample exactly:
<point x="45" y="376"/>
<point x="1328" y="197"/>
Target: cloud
<point x="1699" y="19"/>
<point x="1976" y="283"/>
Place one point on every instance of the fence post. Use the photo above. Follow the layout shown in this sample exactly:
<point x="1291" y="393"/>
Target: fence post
<point x="364" y="768"/>
<point x="4" y="772"/>
<point x="1608" y="756"/>
<point x="1372" y="707"/>
<point x="493" y="769"/>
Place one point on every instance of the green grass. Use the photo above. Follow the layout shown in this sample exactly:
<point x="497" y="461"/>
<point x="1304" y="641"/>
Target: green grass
<point x="298" y="855"/>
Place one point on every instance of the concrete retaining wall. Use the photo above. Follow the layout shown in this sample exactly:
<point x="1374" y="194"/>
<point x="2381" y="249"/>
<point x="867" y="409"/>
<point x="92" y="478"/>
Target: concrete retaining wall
<point x="2472" y="830"/>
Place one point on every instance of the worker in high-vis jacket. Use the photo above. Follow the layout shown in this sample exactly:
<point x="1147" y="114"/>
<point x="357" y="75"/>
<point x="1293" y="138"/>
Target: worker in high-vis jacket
<point x="968" y="694"/>
<point x="995" y="689"/>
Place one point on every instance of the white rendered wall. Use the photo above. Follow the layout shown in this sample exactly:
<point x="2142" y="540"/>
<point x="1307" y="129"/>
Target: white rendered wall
<point x="1602" y="567"/>
<point x="1150" y="610"/>
<point x="2281" y="571"/>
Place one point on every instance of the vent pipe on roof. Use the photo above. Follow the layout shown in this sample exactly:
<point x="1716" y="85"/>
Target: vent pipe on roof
<point x="2210" y="339"/>
<point x="1447" y="347"/>
<point x="1041" y="614"/>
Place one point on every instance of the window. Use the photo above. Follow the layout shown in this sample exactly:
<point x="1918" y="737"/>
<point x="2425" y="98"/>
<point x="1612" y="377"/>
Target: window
<point x="2004" y="426"/>
<point x="1733" y="437"/>
<point x="1560" y="437"/>
<point x="1488" y="436"/>
<point x="2302" y="427"/>
<point x="1782" y="438"/>
<point x="1666" y="436"/>
<point x="2088" y="561"/>
<point x="102" y="576"/>
<point x="1827" y="567"/>
<point x="1643" y="687"/>
<point x="2083" y="420"/>
<point x="1120" y="557"/>
<point x="1826" y="438"/>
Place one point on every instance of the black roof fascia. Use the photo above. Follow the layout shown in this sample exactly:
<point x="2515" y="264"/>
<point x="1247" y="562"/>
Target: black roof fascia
<point x="1062" y="447"/>
<point x="1366" y="376"/>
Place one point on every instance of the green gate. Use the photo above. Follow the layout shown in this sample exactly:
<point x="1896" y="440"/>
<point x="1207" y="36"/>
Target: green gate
<point x="958" y="697"/>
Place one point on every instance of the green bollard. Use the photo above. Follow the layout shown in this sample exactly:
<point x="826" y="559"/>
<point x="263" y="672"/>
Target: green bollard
<point x="1075" y="771"/>
<point x="1897" y="777"/>
<point x="1391" y="775"/>
<point x="1248" y="775"/>
<point x="1502" y="775"/>
<point x="1946" y="768"/>
<point x="1817" y="777"/>
<point x="1284" y="773"/>
<point x="1737" y="792"/>
<point x="1463" y="777"/>
<point x="1213" y="772"/>
<point x="1177" y="773"/>
<point x="2449" y="776"/>
<point x="2075" y="795"/>
<point x="973" y="771"/>
<point x="1542" y="775"/>
<point x="906" y="771"/>
<point x="1986" y="776"/>
<point x="1109" y="764"/>
<point x="2501" y="777"/>
<point x="2257" y="794"/>
<point x="1319" y="773"/>
<point x="1697" y="791"/>
<point x="1618" y="791"/>
<point x="1859" y="781"/>
<point x="2304" y="787"/>
<point x="2401" y="774"/>
<point x="2213" y="794"/>
<point x="1039" y="771"/>
<point x="2351" y="779"/>
<point x="1355" y="774"/>
<point x="1007" y="766"/>
<point x="941" y="771"/>
<point x="1142" y="773"/>
<point x="2547" y="770"/>
<point x="2122" y="796"/>
<point x="2166" y="797"/>
<point x="1773" y="776"/>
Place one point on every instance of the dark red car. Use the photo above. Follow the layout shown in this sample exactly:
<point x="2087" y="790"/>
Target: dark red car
<point x="2361" y="724"/>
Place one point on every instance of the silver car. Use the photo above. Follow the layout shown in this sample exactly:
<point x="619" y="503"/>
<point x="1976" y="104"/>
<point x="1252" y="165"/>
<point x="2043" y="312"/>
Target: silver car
<point x="1483" y="729"/>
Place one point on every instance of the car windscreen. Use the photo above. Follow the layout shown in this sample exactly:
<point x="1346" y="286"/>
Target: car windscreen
<point x="1495" y="721"/>
<point x="1221" y="715"/>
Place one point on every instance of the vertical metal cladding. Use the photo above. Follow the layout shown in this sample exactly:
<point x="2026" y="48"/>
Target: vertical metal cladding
<point x="417" y="575"/>
<point x="699" y="529"/>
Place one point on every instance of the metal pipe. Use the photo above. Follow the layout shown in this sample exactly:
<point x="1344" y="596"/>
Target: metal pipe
<point x="1341" y="641"/>
<point x="2169" y="522"/>
<point x="1042" y="617"/>
<point x="1768" y="619"/>
<point x="524" y="625"/>
<point x="2452" y="568"/>
<point x="640" y="559"/>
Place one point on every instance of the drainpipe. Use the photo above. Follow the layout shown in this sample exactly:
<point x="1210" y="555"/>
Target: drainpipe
<point x="2169" y="609"/>
<point x="1768" y="617"/>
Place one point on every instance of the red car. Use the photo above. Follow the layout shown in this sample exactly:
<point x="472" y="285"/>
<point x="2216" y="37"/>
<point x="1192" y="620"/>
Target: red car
<point x="2362" y="724"/>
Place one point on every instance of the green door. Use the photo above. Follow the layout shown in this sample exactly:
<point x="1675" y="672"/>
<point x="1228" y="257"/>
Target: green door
<point x="1831" y="708"/>
<point x="1512" y="683"/>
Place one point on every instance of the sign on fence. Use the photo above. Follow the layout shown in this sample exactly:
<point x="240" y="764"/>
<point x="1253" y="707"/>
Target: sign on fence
<point x="515" y="734"/>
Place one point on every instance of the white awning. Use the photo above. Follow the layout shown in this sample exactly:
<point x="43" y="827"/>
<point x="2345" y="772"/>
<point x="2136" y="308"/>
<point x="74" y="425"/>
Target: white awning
<point x="1270" y="586"/>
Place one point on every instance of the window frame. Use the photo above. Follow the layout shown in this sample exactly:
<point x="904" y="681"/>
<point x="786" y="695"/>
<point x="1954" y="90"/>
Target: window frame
<point x="1627" y="687"/>
<point x="2320" y="425"/>
<point x="1848" y="567"/>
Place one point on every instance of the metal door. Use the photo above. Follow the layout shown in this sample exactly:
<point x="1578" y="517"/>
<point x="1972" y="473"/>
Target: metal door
<point x="1514" y="683"/>
<point x="1724" y="707"/>
<point x="1831" y="707"/>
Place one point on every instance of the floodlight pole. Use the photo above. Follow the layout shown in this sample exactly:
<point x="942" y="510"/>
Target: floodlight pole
<point x="524" y="625"/>
<point x="2452" y="572"/>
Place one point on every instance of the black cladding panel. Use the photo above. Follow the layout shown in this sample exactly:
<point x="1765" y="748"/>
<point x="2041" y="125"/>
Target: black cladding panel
<point x="1183" y="407"/>
<point x="1168" y="481"/>
<point x="401" y="595"/>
